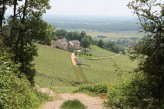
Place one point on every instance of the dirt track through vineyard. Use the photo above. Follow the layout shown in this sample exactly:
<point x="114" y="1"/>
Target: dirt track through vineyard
<point x="78" y="72"/>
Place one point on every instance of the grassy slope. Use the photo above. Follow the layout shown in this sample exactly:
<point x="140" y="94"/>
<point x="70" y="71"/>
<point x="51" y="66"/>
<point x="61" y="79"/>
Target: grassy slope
<point x="54" y="63"/>
<point x="57" y="63"/>
<point x="103" y="70"/>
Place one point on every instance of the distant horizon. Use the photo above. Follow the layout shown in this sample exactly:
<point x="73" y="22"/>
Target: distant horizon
<point x="93" y="23"/>
<point x="90" y="7"/>
<point x="87" y="16"/>
<point x="83" y="15"/>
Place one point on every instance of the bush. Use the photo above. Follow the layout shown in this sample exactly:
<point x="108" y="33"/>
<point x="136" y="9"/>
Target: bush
<point x="96" y="89"/>
<point x="73" y="104"/>
<point x="131" y="94"/>
<point x="15" y="91"/>
<point x="115" y="97"/>
<point x="85" y="42"/>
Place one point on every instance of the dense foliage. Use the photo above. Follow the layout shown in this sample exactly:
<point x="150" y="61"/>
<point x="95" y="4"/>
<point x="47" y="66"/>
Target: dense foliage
<point x="146" y="88"/>
<point x="151" y="48"/>
<point x="21" y="29"/>
<point x="16" y="92"/>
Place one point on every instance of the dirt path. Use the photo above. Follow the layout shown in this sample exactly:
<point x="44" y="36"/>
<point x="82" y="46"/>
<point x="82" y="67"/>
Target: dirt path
<point x="73" y="59"/>
<point x="78" y="72"/>
<point x="90" y="102"/>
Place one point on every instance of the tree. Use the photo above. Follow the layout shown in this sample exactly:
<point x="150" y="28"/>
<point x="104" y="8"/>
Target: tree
<point x="3" y="7"/>
<point x="101" y="43"/>
<point x="85" y="42"/>
<point x="72" y="35"/>
<point x="82" y="35"/>
<point x="60" y="33"/>
<point x="48" y="34"/>
<point x="90" y="39"/>
<point x="111" y="46"/>
<point x="150" y="49"/>
<point x="24" y="27"/>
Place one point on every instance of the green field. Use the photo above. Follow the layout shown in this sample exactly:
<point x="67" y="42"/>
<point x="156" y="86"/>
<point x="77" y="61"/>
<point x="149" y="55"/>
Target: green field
<point x="103" y="70"/>
<point x="112" y="35"/>
<point x="116" y="35"/>
<point x="56" y="63"/>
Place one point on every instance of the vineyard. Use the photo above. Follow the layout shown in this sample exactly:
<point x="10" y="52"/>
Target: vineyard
<point x="107" y="67"/>
<point x="55" y="70"/>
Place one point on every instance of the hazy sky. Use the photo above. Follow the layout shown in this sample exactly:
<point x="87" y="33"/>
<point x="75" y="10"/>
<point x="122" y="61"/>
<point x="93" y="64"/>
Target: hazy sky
<point x="90" y="7"/>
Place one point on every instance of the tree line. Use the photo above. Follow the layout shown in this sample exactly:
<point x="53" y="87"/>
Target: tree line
<point x="20" y="28"/>
<point x="82" y="36"/>
<point x="109" y="45"/>
<point x="86" y="40"/>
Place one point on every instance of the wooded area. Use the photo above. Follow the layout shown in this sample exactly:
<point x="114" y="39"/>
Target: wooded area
<point x="19" y="29"/>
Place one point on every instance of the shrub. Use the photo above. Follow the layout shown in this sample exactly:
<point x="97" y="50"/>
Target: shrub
<point x="131" y="94"/>
<point x="73" y="104"/>
<point x="115" y="97"/>
<point x="16" y="91"/>
<point x="85" y="42"/>
<point x="96" y="89"/>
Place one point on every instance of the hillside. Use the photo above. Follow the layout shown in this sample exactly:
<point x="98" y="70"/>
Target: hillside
<point x="58" y="70"/>
<point x="103" y="68"/>
<point x="54" y="63"/>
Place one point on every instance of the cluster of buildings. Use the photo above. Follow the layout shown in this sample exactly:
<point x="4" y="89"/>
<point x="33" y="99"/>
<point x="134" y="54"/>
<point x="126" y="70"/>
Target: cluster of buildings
<point x="65" y="44"/>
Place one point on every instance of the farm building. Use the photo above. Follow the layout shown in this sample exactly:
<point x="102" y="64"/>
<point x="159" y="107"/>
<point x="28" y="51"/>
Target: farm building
<point x="60" y="43"/>
<point x="74" y="44"/>
<point x="65" y="44"/>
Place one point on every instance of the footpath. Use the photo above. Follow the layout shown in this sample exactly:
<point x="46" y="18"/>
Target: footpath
<point x="88" y="101"/>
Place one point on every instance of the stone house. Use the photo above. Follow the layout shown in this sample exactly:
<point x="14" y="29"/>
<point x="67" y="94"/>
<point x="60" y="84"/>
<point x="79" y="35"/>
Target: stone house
<point x="60" y="43"/>
<point x="65" y="44"/>
<point x="74" y="44"/>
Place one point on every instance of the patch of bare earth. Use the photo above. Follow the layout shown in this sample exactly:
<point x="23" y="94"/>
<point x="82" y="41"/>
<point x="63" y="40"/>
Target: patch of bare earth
<point x="90" y="102"/>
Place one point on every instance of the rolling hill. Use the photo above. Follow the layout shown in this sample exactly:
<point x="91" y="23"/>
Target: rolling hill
<point x="55" y="70"/>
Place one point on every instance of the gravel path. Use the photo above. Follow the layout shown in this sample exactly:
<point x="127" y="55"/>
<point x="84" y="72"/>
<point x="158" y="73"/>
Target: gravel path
<point x="90" y="102"/>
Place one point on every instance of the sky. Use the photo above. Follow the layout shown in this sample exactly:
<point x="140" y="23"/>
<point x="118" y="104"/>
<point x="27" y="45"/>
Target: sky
<point x="90" y="7"/>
